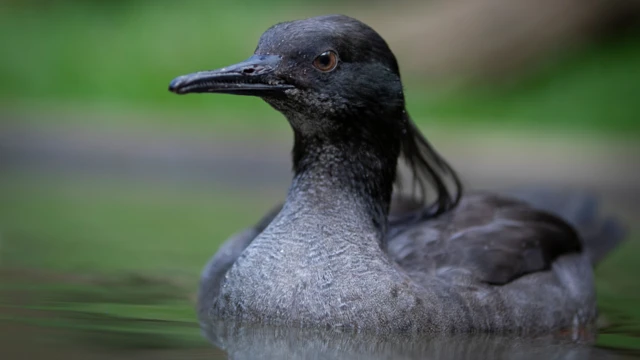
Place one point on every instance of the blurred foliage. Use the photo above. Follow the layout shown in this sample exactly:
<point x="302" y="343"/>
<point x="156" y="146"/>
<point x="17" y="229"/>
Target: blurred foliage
<point x="123" y="55"/>
<point x="595" y="88"/>
<point x="116" y="260"/>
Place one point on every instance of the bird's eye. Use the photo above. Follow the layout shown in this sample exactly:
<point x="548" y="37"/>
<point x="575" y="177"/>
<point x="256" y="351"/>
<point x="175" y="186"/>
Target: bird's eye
<point x="326" y="61"/>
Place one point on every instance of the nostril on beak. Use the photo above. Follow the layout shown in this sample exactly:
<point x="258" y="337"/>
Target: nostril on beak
<point x="249" y="70"/>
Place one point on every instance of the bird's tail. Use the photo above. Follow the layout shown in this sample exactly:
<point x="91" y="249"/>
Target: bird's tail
<point x="600" y="234"/>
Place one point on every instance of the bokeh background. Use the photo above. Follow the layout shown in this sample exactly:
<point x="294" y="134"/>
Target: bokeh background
<point x="114" y="192"/>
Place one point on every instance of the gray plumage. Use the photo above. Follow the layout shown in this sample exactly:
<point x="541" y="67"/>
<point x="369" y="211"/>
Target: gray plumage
<point x="339" y="253"/>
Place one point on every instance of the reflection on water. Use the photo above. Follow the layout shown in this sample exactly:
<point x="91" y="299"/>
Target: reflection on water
<point x="51" y="316"/>
<point x="259" y="342"/>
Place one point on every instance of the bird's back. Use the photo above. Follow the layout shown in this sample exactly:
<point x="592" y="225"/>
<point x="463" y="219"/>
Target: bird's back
<point x="496" y="239"/>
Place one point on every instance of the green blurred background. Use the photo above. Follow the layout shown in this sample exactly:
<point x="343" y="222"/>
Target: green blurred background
<point x="114" y="192"/>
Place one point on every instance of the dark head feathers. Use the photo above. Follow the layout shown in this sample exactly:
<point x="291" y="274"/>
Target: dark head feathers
<point x="434" y="184"/>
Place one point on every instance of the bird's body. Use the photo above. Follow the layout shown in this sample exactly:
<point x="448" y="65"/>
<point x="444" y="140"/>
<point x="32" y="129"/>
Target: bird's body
<point x="441" y="275"/>
<point x="338" y="254"/>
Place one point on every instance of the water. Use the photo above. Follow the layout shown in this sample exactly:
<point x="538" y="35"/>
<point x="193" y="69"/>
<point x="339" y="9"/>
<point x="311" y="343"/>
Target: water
<point x="240" y="342"/>
<point x="47" y="316"/>
<point x="97" y="267"/>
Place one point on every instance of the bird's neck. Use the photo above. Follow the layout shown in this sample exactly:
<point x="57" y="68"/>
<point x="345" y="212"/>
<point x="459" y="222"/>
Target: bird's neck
<point x="345" y="183"/>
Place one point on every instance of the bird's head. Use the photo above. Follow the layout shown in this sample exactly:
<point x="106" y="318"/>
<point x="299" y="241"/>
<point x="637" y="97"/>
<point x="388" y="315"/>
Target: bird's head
<point x="319" y="72"/>
<point x="336" y="80"/>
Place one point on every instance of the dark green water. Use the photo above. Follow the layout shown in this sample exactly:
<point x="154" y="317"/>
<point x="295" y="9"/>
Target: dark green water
<point x="44" y="314"/>
<point x="104" y="264"/>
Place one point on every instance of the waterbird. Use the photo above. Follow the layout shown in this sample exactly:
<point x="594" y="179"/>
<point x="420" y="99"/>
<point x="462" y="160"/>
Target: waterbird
<point x="345" y="251"/>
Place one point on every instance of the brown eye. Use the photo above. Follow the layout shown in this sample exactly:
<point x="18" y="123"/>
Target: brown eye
<point x="326" y="61"/>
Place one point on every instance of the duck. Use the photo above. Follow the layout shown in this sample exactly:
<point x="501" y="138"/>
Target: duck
<point x="349" y="250"/>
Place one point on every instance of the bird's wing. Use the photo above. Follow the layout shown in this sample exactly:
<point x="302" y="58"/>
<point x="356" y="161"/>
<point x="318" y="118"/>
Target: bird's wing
<point x="600" y="233"/>
<point x="492" y="238"/>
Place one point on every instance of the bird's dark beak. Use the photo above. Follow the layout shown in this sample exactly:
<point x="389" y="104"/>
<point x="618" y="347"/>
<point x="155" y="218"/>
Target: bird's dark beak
<point x="254" y="76"/>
